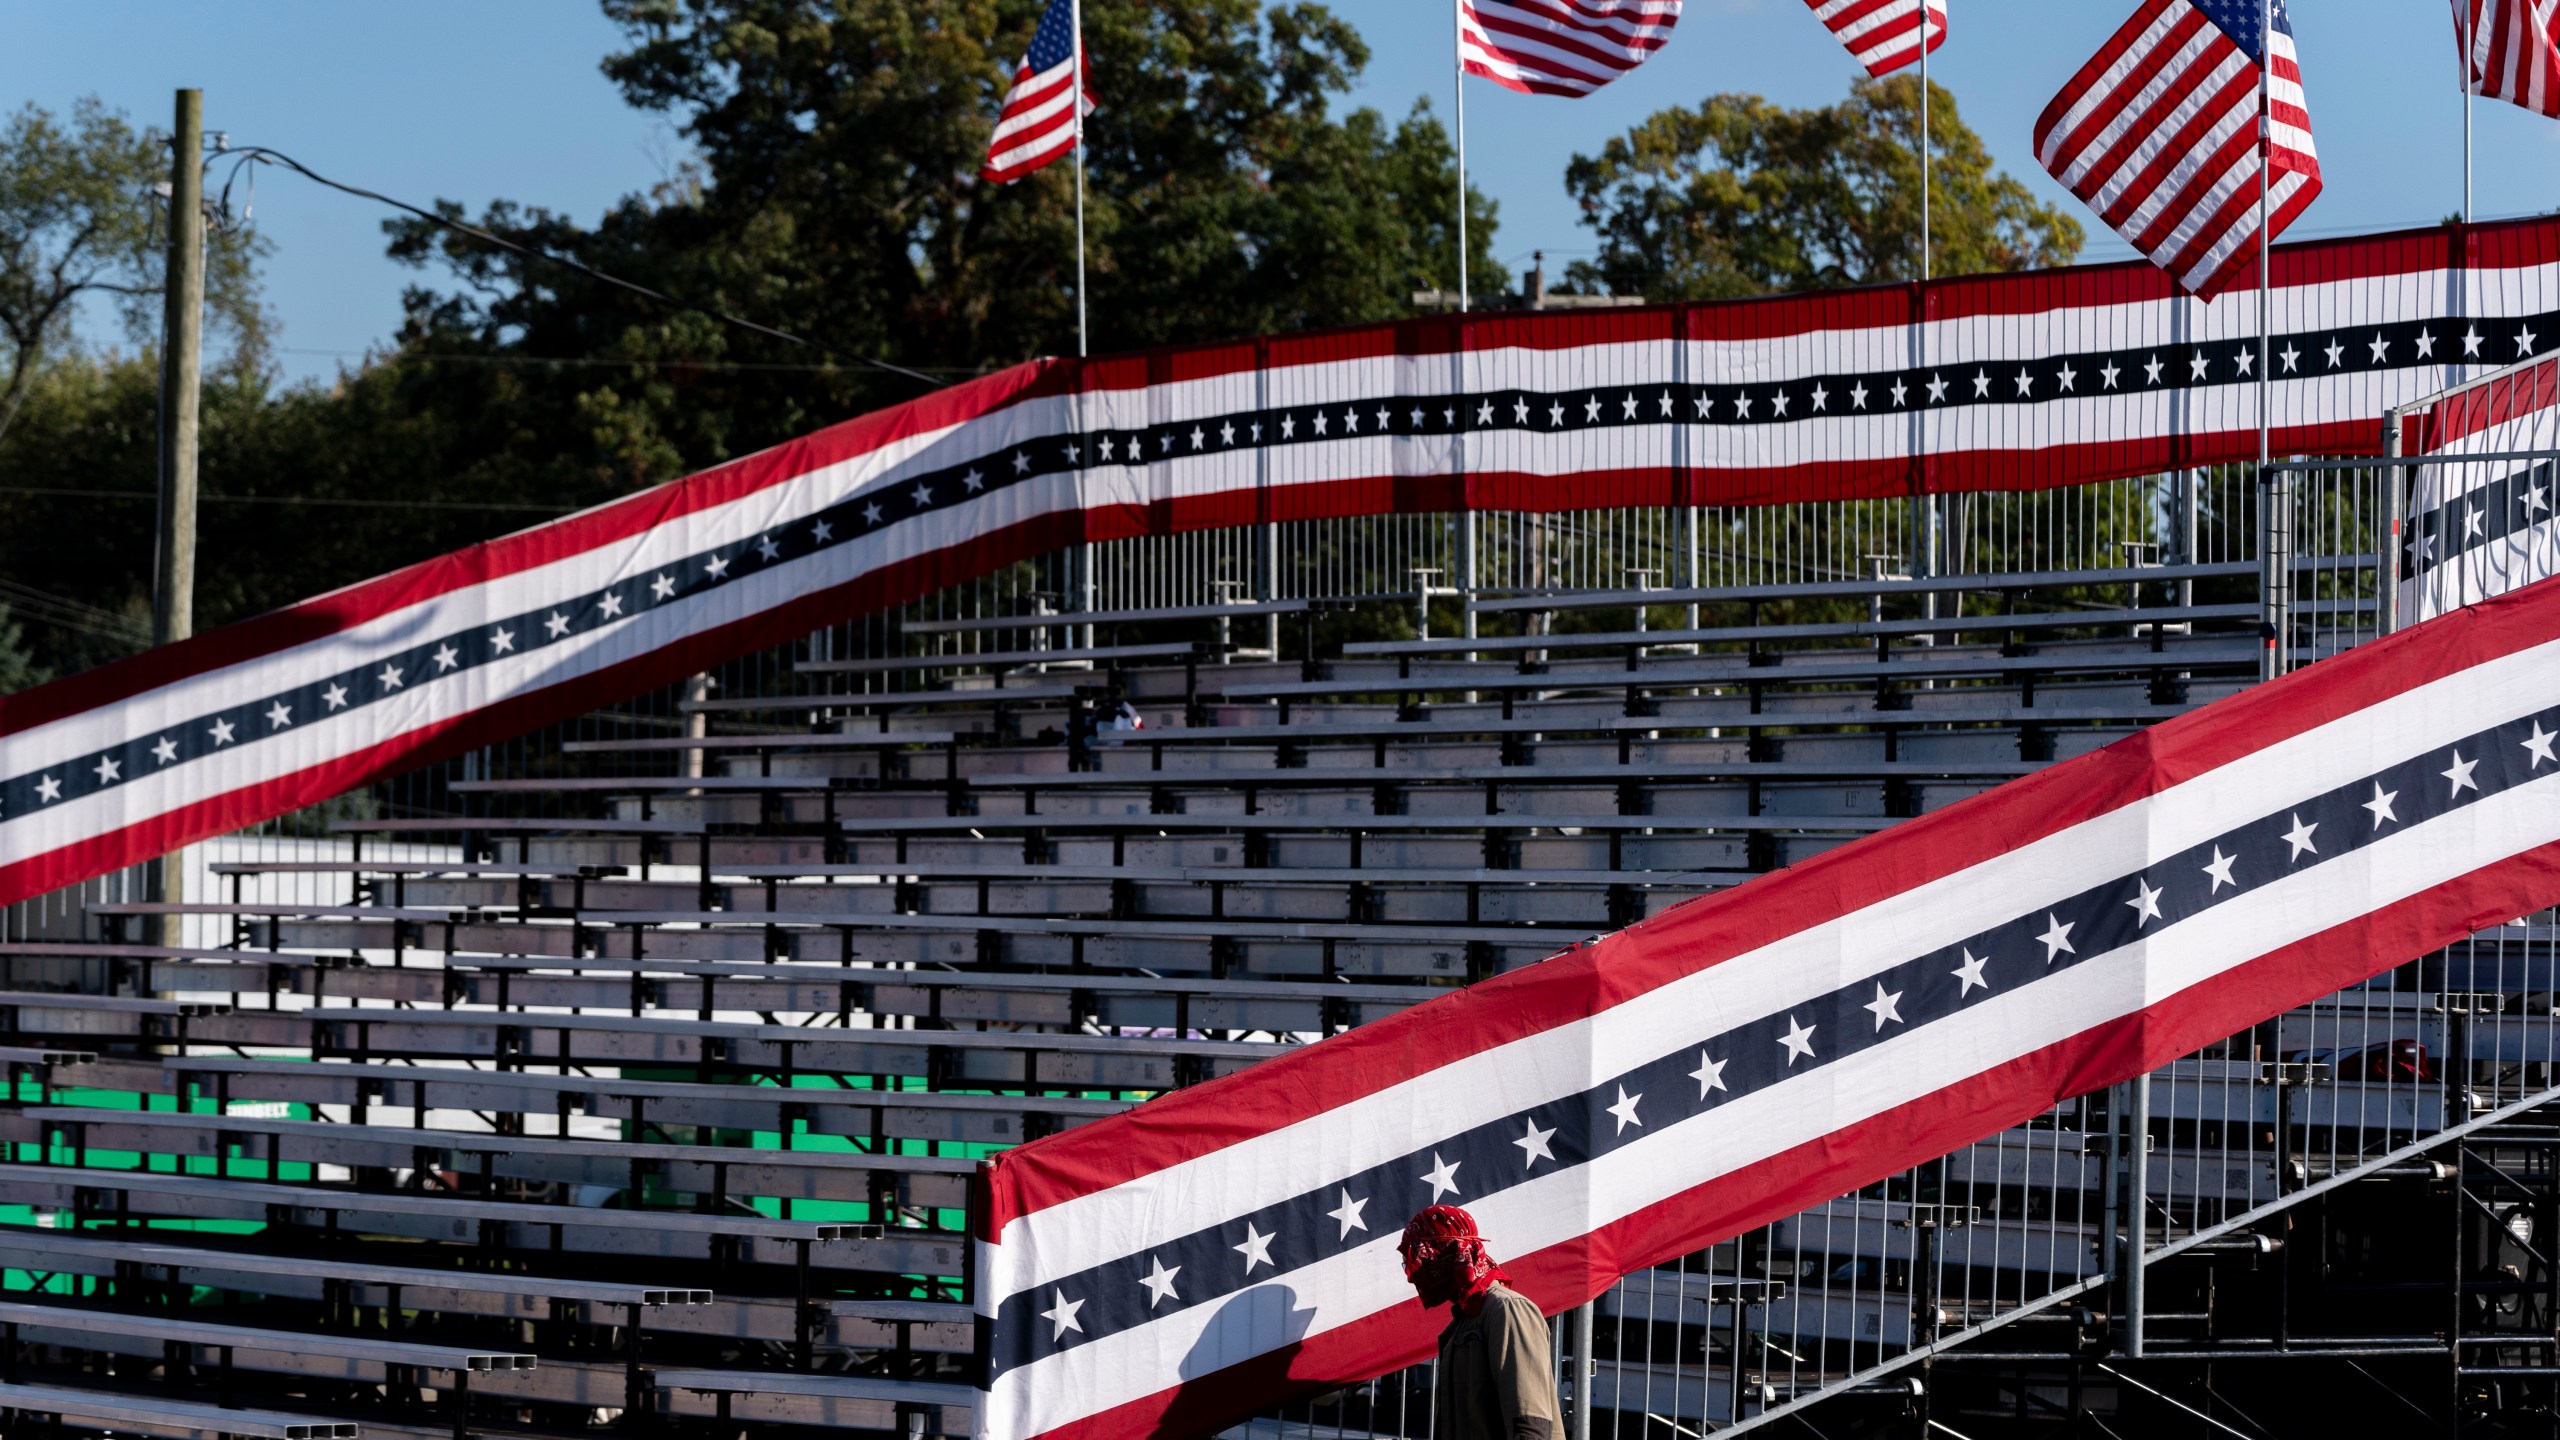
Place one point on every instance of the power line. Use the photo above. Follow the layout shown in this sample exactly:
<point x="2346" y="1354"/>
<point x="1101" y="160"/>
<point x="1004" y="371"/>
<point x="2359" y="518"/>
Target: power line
<point x="587" y="361"/>
<point x="28" y="603"/>
<point x="78" y="494"/>
<point x="277" y="157"/>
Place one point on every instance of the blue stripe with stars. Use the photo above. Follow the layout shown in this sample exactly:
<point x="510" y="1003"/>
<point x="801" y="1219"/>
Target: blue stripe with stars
<point x="2514" y="504"/>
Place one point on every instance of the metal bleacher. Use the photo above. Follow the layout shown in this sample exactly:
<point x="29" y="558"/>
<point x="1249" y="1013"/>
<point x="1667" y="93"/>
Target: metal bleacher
<point x="633" y="1075"/>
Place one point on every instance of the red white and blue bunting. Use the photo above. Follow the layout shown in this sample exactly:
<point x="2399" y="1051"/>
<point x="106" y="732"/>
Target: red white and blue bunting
<point x="2482" y="527"/>
<point x="2011" y="382"/>
<point x="1747" y="1055"/>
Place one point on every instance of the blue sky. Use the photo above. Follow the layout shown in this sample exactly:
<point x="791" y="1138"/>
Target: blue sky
<point x="485" y="99"/>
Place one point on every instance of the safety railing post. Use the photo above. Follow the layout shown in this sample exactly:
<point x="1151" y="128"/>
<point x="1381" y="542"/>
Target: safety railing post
<point x="2136" y="1209"/>
<point x="2386" y="563"/>
<point x="2275" y="569"/>
<point x="1578" y="1422"/>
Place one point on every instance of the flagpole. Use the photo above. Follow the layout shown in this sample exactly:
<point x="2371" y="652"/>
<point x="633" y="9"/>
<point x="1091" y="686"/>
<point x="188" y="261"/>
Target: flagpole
<point x="2277" y="577"/>
<point x="1075" y="102"/>
<point x="1924" y="144"/>
<point x="1930" y="538"/>
<point x="1458" y="38"/>
<point x="2470" y="88"/>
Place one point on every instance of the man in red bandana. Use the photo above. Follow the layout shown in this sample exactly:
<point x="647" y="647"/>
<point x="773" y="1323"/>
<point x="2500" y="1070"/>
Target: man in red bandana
<point x="1496" y="1380"/>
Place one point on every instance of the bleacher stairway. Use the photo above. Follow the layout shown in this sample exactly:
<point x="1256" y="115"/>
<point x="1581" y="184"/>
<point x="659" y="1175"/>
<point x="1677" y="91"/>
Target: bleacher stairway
<point x="642" y="1087"/>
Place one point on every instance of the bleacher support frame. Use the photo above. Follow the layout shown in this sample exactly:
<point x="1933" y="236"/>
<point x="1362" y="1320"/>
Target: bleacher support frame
<point x="840" y="918"/>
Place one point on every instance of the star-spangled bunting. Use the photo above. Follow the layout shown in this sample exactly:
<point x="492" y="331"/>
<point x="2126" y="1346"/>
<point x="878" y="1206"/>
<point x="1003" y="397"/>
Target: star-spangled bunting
<point x="2481" y="527"/>
<point x="1808" y="1033"/>
<point x="1770" y="401"/>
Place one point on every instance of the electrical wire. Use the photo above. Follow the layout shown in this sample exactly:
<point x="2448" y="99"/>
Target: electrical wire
<point x="265" y="155"/>
<point x="25" y="602"/>
<point x="588" y="362"/>
<point x="69" y="492"/>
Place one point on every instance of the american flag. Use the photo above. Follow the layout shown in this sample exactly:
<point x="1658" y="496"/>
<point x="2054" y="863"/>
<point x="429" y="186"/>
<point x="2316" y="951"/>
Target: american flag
<point x="2159" y="134"/>
<point x="1743" y="1056"/>
<point x="1883" y="35"/>
<point x="1561" y="47"/>
<point x="1039" y="122"/>
<point x="2515" y="51"/>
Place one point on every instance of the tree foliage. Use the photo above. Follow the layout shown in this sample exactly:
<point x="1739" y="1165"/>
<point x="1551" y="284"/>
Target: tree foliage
<point x="1742" y="197"/>
<point x="79" y="222"/>
<point x="834" y="193"/>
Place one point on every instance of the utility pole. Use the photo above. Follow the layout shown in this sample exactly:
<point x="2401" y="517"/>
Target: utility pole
<point x="173" y="609"/>
<point x="173" y="592"/>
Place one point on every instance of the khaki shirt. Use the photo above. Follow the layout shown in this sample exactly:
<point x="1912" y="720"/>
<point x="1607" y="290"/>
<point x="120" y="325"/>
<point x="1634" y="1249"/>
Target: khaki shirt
<point x="1497" y="1381"/>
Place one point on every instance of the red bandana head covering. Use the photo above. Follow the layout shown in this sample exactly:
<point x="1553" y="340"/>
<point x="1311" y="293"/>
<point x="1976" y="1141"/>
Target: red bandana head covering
<point x="1444" y="1259"/>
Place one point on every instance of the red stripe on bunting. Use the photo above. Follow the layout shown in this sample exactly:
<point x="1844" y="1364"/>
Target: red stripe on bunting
<point x="1203" y="1119"/>
<point x="2466" y="413"/>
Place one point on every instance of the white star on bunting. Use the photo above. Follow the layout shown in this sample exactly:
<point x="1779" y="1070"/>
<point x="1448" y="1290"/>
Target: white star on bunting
<point x="1442" y="1177"/>
<point x="2056" y="938"/>
<point x="1347" y="1214"/>
<point x="1533" y="1146"/>
<point x="1061" y="1316"/>
<point x="1625" y="1110"/>
<point x="2380" y="805"/>
<point x="2538" y="745"/>
<point x="1970" y="973"/>
<point x="1886" y="1006"/>
<point x="1256" y="1248"/>
<point x="2145" y="902"/>
<point x="2220" y="871"/>
<point x="1798" y="1040"/>
<point x="1159" y="1283"/>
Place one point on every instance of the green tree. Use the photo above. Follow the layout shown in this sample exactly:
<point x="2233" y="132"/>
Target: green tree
<point x="834" y="192"/>
<point x="18" y="669"/>
<point x="79" y="221"/>
<point x="1742" y="197"/>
